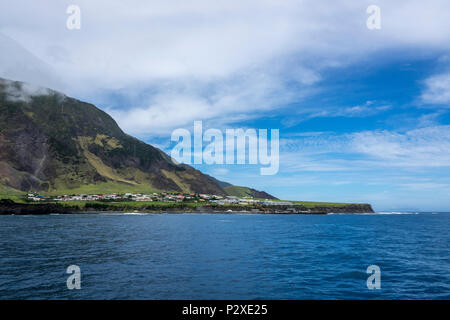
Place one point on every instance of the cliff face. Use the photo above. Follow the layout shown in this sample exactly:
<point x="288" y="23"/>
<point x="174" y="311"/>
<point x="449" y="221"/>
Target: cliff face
<point x="51" y="142"/>
<point x="350" y="208"/>
<point x="10" y="207"/>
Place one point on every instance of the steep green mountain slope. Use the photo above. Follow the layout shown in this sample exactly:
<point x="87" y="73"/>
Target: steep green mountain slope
<point x="247" y="192"/>
<point x="53" y="143"/>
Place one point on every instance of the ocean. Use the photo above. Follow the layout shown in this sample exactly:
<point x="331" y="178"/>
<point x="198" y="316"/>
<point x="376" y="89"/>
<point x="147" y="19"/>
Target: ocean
<point x="225" y="256"/>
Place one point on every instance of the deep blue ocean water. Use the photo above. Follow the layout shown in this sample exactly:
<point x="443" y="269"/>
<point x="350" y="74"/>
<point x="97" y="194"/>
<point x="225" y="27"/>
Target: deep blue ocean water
<point x="225" y="256"/>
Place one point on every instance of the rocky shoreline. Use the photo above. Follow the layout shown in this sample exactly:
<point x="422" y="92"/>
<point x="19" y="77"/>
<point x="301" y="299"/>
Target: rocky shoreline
<point x="8" y="207"/>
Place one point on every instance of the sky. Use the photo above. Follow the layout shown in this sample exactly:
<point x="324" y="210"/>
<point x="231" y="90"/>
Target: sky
<point x="363" y="114"/>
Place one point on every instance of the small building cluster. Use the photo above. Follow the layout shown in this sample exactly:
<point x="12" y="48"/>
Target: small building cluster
<point x="165" y="197"/>
<point x="161" y="197"/>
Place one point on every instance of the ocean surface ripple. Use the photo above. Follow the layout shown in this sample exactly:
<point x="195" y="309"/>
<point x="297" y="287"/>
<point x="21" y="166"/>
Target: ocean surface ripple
<point x="225" y="256"/>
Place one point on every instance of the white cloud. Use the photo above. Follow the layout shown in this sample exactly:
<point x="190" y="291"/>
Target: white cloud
<point x="391" y="169"/>
<point x="16" y="91"/>
<point x="370" y="108"/>
<point x="424" y="147"/>
<point x="437" y="89"/>
<point x="163" y="45"/>
<point x="220" y="172"/>
<point x="179" y="105"/>
<point x="426" y="185"/>
<point x="367" y="109"/>
<point x="17" y="63"/>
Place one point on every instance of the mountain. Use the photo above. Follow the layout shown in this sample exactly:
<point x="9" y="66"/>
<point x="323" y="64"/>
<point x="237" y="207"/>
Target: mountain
<point x="53" y="143"/>
<point x="247" y="192"/>
<point x="238" y="191"/>
<point x="222" y="184"/>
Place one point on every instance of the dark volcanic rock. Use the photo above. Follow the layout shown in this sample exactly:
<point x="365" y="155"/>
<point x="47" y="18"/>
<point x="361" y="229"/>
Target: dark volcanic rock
<point x="10" y="207"/>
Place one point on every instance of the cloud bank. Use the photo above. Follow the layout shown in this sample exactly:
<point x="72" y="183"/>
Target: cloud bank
<point x="221" y="60"/>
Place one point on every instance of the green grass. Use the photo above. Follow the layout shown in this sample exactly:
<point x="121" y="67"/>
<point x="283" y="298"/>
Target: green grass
<point x="129" y="205"/>
<point x="103" y="188"/>
<point x="12" y="194"/>
<point x="245" y="192"/>
<point x="121" y="188"/>
<point x="238" y="191"/>
<point x="313" y="204"/>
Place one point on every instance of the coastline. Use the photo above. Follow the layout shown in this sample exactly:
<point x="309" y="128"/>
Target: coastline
<point x="8" y="207"/>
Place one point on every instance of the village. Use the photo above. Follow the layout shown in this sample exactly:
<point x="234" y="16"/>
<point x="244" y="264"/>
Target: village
<point x="160" y="197"/>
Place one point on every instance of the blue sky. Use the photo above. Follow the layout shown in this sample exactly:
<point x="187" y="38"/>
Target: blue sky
<point x="363" y="114"/>
<point x="372" y="140"/>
